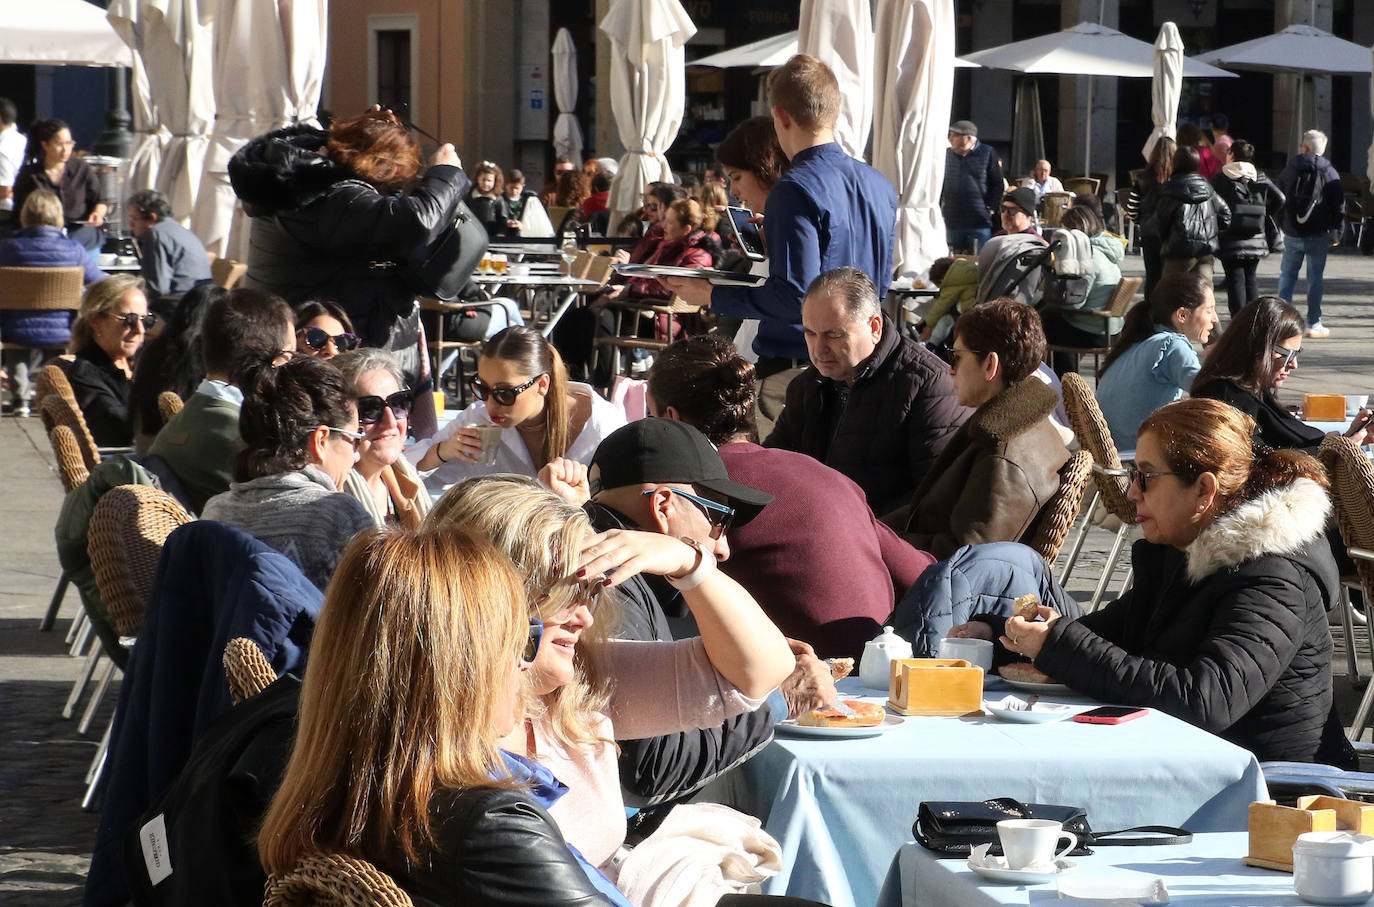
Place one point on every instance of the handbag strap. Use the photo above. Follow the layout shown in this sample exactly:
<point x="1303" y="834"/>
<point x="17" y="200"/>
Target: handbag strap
<point x="1159" y="835"/>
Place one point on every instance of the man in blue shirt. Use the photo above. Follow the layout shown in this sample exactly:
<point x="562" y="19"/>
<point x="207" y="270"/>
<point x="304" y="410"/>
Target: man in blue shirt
<point x="828" y="211"/>
<point x="173" y="259"/>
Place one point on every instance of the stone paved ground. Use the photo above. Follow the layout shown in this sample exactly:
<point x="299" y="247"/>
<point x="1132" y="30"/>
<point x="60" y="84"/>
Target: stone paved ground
<point x="45" y="838"/>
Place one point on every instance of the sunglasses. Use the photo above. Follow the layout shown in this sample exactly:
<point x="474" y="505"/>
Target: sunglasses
<point x="1142" y="479"/>
<point x="372" y="409"/>
<point x="1288" y="356"/>
<point x="717" y="514"/>
<point x="353" y="437"/>
<point x="586" y="592"/>
<point x="502" y="395"/>
<point x="130" y="320"/>
<point x="532" y="640"/>
<point x="316" y="339"/>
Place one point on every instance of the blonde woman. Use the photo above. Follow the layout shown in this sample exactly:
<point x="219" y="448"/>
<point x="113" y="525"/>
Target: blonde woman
<point x="383" y="480"/>
<point x="391" y="766"/>
<point x="108" y="332"/>
<point x="589" y="690"/>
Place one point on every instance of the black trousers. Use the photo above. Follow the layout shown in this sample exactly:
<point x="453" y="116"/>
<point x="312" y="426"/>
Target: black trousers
<point x="1240" y="281"/>
<point x="1153" y="260"/>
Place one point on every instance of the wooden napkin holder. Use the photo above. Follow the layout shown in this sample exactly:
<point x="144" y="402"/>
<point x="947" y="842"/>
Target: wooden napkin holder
<point x="1274" y="829"/>
<point x="935" y="686"/>
<point x="1323" y="407"/>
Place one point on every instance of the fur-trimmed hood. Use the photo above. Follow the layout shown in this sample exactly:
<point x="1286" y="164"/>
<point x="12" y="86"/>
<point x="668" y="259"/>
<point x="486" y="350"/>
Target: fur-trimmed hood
<point x="1013" y="412"/>
<point x="1279" y="522"/>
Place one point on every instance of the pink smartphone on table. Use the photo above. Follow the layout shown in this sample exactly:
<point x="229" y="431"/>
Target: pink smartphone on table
<point x="1110" y="714"/>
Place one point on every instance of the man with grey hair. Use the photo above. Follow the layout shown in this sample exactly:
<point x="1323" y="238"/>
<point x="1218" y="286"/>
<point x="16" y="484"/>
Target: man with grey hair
<point x="172" y="258"/>
<point x="1316" y="205"/>
<point x="873" y="404"/>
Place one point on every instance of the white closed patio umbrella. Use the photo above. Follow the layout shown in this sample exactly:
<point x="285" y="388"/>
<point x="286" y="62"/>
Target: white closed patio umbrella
<point x="648" y="91"/>
<point x="840" y="34"/>
<point x="1369" y="165"/>
<point x="1166" y="86"/>
<point x="1088" y="49"/>
<point x="57" y="32"/>
<point x="567" y="132"/>
<point x="913" y="85"/>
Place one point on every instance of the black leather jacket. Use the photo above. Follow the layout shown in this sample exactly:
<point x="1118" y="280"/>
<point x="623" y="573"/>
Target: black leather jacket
<point x="496" y="847"/>
<point x="319" y="232"/>
<point x="1190" y="217"/>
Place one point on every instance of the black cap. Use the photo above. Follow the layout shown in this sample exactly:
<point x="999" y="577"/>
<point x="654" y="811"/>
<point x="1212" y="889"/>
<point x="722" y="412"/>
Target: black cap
<point x="652" y="451"/>
<point x="1022" y="198"/>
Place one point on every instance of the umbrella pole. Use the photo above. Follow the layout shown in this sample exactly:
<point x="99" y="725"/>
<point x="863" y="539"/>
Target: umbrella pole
<point x="1297" y="116"/>
<point x="1088" y="130"/>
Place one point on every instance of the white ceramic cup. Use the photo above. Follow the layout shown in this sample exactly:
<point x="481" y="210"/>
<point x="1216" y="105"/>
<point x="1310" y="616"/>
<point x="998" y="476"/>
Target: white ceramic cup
<point x="1355" y="403"/>
<point x="1031" y="843"/>
<point x="974" y="651"/>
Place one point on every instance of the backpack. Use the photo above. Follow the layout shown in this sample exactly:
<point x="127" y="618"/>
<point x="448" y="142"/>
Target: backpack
<point x="1247" y="214"/>
<point x="1307" y="193"/>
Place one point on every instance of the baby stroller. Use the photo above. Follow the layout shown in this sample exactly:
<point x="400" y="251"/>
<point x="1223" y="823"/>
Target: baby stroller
<point x="1013" y="265"/>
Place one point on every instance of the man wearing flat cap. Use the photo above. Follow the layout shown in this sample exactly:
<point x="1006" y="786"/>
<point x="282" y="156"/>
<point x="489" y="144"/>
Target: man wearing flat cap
<point x="973" y="187"/>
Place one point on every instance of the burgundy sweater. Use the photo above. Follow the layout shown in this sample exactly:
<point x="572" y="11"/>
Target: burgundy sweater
<point x="816" y="559"/>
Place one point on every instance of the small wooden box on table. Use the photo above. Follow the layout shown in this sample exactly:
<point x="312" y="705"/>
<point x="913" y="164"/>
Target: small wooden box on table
<point x="935" y="686"/>
<point x="1274" y="829"/>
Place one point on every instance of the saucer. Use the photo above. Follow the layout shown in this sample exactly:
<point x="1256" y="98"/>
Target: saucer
<point x="1021" y="876"/>
<point x="1013" y="709"/>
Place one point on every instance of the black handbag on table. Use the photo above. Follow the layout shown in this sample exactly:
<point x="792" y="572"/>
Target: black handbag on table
<point x="956" y="827"/>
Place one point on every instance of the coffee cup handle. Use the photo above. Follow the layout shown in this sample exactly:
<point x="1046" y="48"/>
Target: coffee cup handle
<point x="1073" y="844"/>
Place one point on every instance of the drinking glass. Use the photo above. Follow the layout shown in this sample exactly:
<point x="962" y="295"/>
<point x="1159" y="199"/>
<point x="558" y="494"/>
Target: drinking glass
<point x="569" y="251"/>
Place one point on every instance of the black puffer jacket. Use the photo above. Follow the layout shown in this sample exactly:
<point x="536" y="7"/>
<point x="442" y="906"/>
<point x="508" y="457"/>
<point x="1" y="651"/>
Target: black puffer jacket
<point x="1141" y="206"/>
<point x="901" y="412"/>
<point x="1190" y="218"/>
<point x="1250" y="196"/>
<point x="1230" y="635"/>
<point x="319" y="232"/>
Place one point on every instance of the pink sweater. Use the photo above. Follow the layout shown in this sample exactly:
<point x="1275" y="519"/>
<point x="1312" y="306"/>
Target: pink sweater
<point x="660" y="688"/>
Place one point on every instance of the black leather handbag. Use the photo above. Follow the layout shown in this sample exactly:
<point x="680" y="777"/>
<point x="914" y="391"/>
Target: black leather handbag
<point x="956" y="827"/>
<point x="443" y="268"/>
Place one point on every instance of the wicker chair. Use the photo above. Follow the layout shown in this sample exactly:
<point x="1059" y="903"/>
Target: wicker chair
<point x="1057" y="516"/>
<point x="42" y="289"/>
<point x="168" y="405"/>
<point x="51" y="379"/>
<point x="1090" y="427"/>
<point x="57" y="410"/>
<point x="1117" y="306"/>
<point x="628" y="312"/>
<point x="226" y="272"/>
<point x="1352" y="492"/>
<point x="247" y="669"/>
<point x="334" y="880"/>
<point x="71" y="464"/>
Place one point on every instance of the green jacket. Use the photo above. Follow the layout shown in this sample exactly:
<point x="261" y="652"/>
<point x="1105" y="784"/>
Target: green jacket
<point x="198" y="446"/>
<point x="959" y="291"/>
<point x="1108" y="252"/>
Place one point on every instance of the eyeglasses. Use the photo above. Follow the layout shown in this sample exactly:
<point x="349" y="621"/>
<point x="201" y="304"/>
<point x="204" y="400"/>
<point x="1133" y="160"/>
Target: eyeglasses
<point x="130" y="320"/>
<point x="1011" y="209"/>
<point x="586" y="592"/>
<point x="955" y="351"/>
<point x="532" y="641"/>
<point x="1288" y="356"/>
<point x="353" y="437"/>
<point x="316" y="339"/>
<point x="372" y="409"/>
<point x="719" y="515"/>
<point x="1142" y="479"/>
<point x="502" y="395"/>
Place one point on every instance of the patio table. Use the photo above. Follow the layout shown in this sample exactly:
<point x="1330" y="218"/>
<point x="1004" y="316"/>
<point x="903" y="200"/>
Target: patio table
<point x="841" y="807"/>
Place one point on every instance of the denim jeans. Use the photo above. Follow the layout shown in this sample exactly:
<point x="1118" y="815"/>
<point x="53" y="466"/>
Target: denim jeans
<point x="963" y="239"/>
<point x="1314" y="248"/>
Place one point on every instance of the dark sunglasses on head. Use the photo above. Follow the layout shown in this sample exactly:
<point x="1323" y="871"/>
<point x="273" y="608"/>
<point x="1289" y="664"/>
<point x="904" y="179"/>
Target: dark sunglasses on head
<point x="502" y="395"/>
<point x="1288" y="356"/>
<point x="371" y="408"/>
<point x="1136" y="477"/>
<point x="130" y="320"/>
<point x="316" y="339"/>
<point x="532" y="640"/>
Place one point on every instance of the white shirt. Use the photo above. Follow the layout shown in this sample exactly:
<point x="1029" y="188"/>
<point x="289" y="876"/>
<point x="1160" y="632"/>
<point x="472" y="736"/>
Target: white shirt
<point x="12" y="144"/>
<point x="1051" y="184"/>
<point x="513" y="456"/>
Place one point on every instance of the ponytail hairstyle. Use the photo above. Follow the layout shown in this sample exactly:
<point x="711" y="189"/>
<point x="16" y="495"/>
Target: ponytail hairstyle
<point x="1174" y="291"/>
<point x="1200" y="435"/>
<point x="709" y="384"/>
<point x="1160" y="167"/>
<point x="533" y="353"/>
<point x="1243" y="354"/>
<point x="41" y="131"/>
<point x="282" y="405"/>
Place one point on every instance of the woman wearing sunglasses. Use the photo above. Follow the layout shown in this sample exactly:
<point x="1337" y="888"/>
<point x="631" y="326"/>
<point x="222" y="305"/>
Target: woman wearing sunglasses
<point x="299" y="425"/>
<point x="591" y="689"/>
<point x="414" y="678"/>
<point x="323" y="330"/>
<point x="521" y="387"/>
<point x="383" y="481"/>
<point x="109" y="330"/>
<point x="1260" y="348"/>
<point x="1226" y="624"/>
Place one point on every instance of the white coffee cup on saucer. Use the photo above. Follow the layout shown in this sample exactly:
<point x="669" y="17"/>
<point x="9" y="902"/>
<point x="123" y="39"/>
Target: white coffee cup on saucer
<point x="1030" y="844"/>
<point x="974" y="651"/>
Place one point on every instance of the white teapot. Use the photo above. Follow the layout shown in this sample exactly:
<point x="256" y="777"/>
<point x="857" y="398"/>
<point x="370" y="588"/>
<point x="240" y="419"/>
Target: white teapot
<point x="875" y="668"/>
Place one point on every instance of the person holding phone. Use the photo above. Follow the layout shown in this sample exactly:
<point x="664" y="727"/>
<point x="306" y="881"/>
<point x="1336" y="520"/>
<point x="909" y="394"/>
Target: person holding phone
<point x="1226" y="625"/>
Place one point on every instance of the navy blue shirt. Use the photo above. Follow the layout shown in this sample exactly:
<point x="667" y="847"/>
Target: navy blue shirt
<point x="828" y="211"/>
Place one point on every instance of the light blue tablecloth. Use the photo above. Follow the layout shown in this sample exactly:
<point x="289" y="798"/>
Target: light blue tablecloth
<point x="841" y="808"/>
<point x="1207" y="872"/>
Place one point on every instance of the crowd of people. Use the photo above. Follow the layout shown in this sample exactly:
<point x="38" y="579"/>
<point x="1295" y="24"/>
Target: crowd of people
<point x="627" y="606"/>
